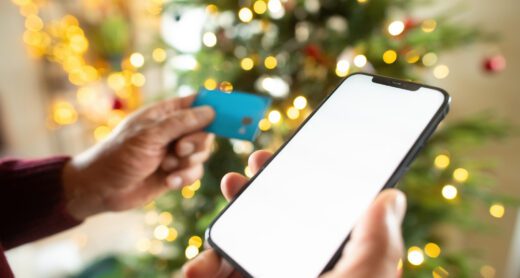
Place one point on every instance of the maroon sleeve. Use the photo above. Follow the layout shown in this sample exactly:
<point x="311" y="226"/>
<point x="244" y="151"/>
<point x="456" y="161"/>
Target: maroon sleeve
<point x="32" y="204"/>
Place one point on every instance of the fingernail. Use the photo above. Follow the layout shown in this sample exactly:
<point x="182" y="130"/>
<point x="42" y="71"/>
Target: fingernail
<point x="169" y="163"/>
<point x="186" y="148"/>
<point x="174" y="182"/>
<point x="206" y="113"/>
<point x="399" y="206"/>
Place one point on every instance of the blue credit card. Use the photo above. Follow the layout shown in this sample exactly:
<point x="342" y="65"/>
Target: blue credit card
<point x="237" y="113"/>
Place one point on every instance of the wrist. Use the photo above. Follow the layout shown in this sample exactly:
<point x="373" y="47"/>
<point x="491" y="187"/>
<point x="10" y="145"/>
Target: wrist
<point x="80" y="201"/>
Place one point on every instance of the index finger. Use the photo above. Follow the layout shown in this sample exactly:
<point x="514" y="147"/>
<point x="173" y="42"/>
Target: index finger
<point x="207" y="264"/>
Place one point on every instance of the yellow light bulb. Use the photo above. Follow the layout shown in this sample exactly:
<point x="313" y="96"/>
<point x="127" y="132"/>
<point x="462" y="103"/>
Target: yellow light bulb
<point x="264" y="125"/>
<point x="460" y="174"/>
<point x="138" y="79"/>
<point x="212" y="9"/>
<point x="390" y="56"/>
<point x="429" y="59"/>
<point x="449" y="192"/>
<point x="63" y="113"/>
<point x="137" y="60"/>
<point x="160" y="232"/>
<point x="159" y="55"/>
<point x="270" y="62"/>
<point x="497" y="210"/>
<point x="210" y="84"/>
<point x="342" y="68"/>
<point x="187" y="192"/>
<point x="101" y="132"/>
<point x="247" y="64"/>
<point x="172" y="234"/>
<point x="245" y="15"/>
<point x="441" y="161"/>
<point x="429" y="25"/>
<point x="415" y="255"/>
<point x="165" y="218"/>
<point x="293" y="113"/>
<point x="440" y="272"/>
<point x="441" y="71"/>
<point x="432" y="250"/>
<point x="195" y="241"/>
<point x="300" y="102"/>
<point x="191" y="252"/>
<point x="260" y="6"/>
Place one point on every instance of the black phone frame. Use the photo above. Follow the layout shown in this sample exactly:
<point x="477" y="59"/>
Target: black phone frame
<point x="392" y="181"/>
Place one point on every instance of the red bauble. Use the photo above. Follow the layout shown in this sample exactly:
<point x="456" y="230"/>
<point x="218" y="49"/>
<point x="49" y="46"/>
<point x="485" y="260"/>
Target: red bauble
<point x="494" y="64"/>
<point x="313" y="51"/>
<point x="409" y="23"/>
<point x="117" y="104"/>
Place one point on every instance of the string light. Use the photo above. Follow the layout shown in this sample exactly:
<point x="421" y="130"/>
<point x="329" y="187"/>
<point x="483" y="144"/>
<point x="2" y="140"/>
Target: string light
<point x="64" y="113"/>
<point x="165" y="218"/>
<point x="210" y="84"/>
<point x="191" y="252"/>
<point x="212" y="9"/>
<point x="360" y="60"/>
<point x="487" y="271"/>
<point x="293" y="113"/>
<point x="196" y="185"/>
<point x="226" y="86"/>
<point x="449" y="192"/>
<point x="209" y="39"/>
<point x="137" y="60"/>
<point x="300" y="102"/>
<point x="460" y="174"/>
<point x="247" y="64"/>
<point x="172" y="235"/>
<point x="342" y="68"/>
<point x="432" y="250"/>
<point x="400" y="264"/>
<point x="274" y="117"/>
<point x="138" y="79"/>
<point x="396" y="28"/>
<point x="270" y="62"/>
<point x="115" y="117"/>
<point x="412" y="57"/>
<point x="362" y="1"/>
<point x="151" y="217"/>
<point x="160" y="232"/>
<point x="264" y="125"/>
<point x="116" y="81"/>
<point x="156" y="247"/>
<point x="195" y="241"/>
<point x="429" y="59"/>
<point x="159" y="55"/>
<point x="497" y="210"/>
<point x="441" y="161"/>
<point x="429" y="25"/>
<point x="101" y="132"/>
<point x="441" y="71"/>
<point x="187" y="192"/>
<point x="260" y="7"/>
<point x="390" y="56"/>
<point x="439" y="272"/>
<point x="245" y="15"/>
<point x="415" y="255"/>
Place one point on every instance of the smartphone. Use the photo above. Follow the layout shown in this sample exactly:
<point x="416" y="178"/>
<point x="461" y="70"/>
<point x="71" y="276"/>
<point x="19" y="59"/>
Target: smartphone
<point x="294" y="216"/>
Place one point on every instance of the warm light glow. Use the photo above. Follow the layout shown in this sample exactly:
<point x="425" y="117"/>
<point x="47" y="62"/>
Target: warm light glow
<point x="275" y="6"/>
<point x="412" y="57"/>
<point x="195" y="186"/>
<point x="33" y="23"/>
<point x="101" y="132"/>
<point x="210" y="84"/>
<point x="300" y="102"/>
<point x="415" y="255"/>
<point x="362" y="1"/>
<point x="440" y="272"/>
<point x="342" y="68"/>
<point x="143" y="245"/>
<point x="487" y="271"/>
<point x="360" y="60"/>
<point x="264" y="125"/>
<point x="226" y="86"/>
<point x="274" y="116"/>
<point x="160" y="232"/>
<point x="191" y="252"/>
<point x="432" y="250"/>
<point x="441" y="71"/>
<point x="396" y="28"/>
<point x="165" y="218"/>
<point x="429" y="25"/>
<point x="209" y="39"/>
<point x="390" y="56"/>
<point x="429" y="59"/>
<point x="460" y="174"/>
<point x="172" y="235"/>
<point x="260" y="7"/>
<point x="63" y="113"/>
<point x="248" y="172"/>
<point x="293" y="113"/>
<point x="151" y="217"/>
<point x="212" y="8"/>
<point x="187" y="192"/>
<point x="400" y="264"/>
<point x="247" y="63"/>
<point x="115" y="117"/>
<point x="497" y="210"/>
<point x="449" y="192"/>
<point x="116" y="81"/>
<point x="270" y="62"/>
<point x="195" y="241"/>
<point x="138" y="79"/>
<point x="245" y="15"/>
<point x="441" y="161"/>
<point x="156" y="247"/>
<point x="137" y="60"/>
<point x="159" y="55"/>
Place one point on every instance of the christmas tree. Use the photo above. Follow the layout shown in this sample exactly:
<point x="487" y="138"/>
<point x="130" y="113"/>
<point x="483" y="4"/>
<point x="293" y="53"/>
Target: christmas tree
<point x="295" y="51"/>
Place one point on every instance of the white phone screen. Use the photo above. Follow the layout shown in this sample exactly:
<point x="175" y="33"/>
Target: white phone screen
<point x="293" y="217"/>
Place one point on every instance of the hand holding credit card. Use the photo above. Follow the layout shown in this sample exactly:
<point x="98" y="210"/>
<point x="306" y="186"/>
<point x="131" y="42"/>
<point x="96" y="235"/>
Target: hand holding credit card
<point x="237" y="113"/>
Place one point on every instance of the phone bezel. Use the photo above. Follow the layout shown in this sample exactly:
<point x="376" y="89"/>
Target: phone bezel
<point x="397" y="174"/>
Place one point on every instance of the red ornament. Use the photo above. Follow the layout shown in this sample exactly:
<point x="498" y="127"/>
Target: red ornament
<point x="494" y="64"/>
<point x="117" y="104"/>
<point x="409" y="23"/>
<point x="313" y="51"/>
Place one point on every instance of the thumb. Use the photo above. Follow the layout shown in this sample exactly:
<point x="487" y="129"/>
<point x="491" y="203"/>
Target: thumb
<point x="376" y="244"/>
<point x="184" y="122"/>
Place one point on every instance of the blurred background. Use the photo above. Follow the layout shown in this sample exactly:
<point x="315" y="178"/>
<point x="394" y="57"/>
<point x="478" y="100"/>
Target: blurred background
<point x="72" y="70"/>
